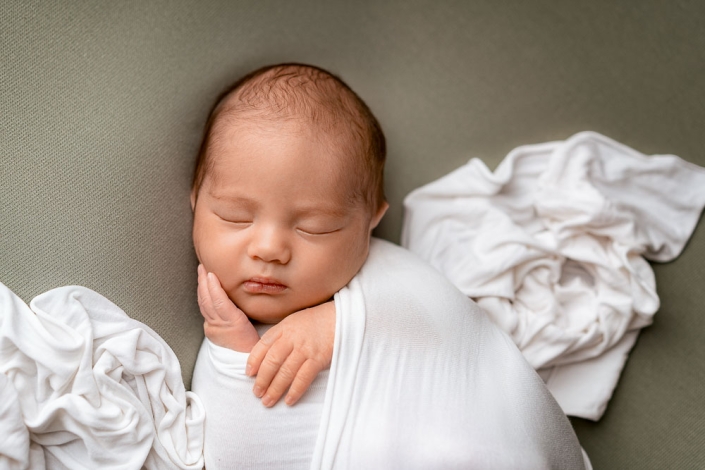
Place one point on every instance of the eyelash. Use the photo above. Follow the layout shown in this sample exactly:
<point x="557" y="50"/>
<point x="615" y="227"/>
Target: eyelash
<point x="315" y="233"/>
<point x="305" y="232"/>
<point x="239" y="222"/>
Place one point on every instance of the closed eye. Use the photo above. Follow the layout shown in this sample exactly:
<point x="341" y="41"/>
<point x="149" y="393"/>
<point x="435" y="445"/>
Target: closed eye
<point x="316" y="232"/>
<point x="236" y="221"/>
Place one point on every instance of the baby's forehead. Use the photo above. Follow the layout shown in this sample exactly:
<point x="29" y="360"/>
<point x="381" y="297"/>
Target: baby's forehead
<point x="293" y="148"/>
<point x="334" y="148"/>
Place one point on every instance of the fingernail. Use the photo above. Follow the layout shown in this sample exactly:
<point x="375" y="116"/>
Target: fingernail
<point x="289" y="400"/>
<point x="200" y="269"/>
<point x="248" y="369"/>
<point x="258" y="391"/>
<point x="267" y="401"/>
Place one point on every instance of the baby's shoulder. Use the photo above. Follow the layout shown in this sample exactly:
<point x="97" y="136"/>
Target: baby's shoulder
<point x="393" y="275"/>
<point x="399" y="269"/>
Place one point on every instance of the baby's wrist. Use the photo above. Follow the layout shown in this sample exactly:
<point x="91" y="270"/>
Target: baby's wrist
<point x="232" y="337"/>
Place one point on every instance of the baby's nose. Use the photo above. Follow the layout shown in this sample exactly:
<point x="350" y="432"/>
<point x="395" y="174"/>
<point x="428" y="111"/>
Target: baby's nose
<point x="270" y="244"/>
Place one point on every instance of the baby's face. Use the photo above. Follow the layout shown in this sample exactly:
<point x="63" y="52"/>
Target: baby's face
<point x="273" y="221"/>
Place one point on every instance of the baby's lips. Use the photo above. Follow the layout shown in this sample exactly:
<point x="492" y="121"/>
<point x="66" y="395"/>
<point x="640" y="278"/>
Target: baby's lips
<point x="263" y="286"/>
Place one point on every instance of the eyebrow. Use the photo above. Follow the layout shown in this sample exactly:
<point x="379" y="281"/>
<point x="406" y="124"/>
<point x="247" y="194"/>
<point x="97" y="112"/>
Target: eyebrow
<point x="234" y="200"/>
<point x="322" y="210"/>
<point x="231" y="198"/>
<point x="329" y="210"/>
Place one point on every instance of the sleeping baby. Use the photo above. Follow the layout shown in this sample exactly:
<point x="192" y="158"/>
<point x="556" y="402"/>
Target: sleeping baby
<point x="287" y="191"/>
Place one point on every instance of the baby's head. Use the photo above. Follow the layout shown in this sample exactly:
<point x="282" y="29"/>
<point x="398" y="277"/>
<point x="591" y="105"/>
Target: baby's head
<point x="287" y="190"/>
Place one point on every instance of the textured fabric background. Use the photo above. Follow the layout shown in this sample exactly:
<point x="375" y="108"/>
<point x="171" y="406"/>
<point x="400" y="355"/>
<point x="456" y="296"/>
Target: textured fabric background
<point x="102" y="105"/>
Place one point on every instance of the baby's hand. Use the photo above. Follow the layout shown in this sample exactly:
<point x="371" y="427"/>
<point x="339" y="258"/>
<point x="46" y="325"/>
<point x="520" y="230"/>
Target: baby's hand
<point x="224" y="323"/>
<point x="292" y="353"/>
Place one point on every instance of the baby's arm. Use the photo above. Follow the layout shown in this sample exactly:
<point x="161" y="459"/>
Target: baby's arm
<point x="289" y="355"/>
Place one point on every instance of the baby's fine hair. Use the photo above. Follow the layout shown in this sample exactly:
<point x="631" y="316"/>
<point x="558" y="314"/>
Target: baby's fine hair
<point x="299" y="91"/>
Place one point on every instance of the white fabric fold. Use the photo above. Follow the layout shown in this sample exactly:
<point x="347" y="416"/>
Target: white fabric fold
<point x="553" y="245"/>
<point x="420" y="379"/>
<point x="83" y="386"/>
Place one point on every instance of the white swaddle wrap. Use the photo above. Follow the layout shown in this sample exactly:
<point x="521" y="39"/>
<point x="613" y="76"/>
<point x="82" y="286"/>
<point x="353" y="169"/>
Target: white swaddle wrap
<point x="420" y="378"/>
<point x="83" y="386"/>
<point x="552" y="245"/>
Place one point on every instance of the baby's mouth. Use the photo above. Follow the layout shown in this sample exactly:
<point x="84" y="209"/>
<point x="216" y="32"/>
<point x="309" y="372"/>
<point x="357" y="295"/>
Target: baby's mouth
<point x="263" y="285"/>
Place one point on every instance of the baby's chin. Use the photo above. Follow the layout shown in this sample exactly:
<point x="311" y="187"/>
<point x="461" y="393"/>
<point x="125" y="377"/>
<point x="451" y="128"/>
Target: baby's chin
<point x="267" y="318"/>
<point x="272" y="309"/>
<point x="267" y="310"/>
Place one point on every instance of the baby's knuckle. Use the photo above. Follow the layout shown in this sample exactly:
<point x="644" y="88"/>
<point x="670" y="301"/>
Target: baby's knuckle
<point x="275" y="391"/>
<point x="271" y="362"/>
<point x="306" y="377"/>
<point x="287" y="336"/>
<point x="316" y="357"/>
<point x="285" y="374"/>
<point x="267" y="339"/>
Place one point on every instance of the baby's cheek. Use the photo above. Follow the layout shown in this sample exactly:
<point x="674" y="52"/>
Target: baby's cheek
<point x="227" y="279"/>
<point x="328" y="280"/>
<point x="215" y="257"/>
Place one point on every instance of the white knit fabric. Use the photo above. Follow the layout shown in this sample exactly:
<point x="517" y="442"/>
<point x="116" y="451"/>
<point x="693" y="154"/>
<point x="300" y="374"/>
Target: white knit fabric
<point x="420" y="379"/>
<point x="552" y="245"/>
<point x="83" y="386"/>
<point x="240" y="431"/>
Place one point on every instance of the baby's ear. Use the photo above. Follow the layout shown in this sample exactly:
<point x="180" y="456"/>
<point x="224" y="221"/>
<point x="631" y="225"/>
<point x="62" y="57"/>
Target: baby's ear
<point x="378" y="216"/>
<point x="193" y="200"/>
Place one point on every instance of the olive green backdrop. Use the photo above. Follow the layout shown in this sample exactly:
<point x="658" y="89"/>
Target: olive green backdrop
<point x="102" y="105"/>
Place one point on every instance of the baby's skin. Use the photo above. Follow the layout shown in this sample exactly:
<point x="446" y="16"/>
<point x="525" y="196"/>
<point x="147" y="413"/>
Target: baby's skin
<point x="289" y="355"/>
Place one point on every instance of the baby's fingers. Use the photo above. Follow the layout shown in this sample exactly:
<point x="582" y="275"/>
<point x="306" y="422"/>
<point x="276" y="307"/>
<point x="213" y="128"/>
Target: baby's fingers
<point x="259" y="351"/>
<point x="272" y="362"/>
<point x="283" y="379"/>
<point x="304" y="378"/>
<point x="222" y="307"/>
<point x="204" y="298"/>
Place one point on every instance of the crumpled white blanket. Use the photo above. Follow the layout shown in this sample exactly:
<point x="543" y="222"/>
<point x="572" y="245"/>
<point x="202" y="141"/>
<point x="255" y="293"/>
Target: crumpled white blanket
<point x="422" y="379"/>
<point x="552" y="245"/>
<point x="83" y="386"/>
